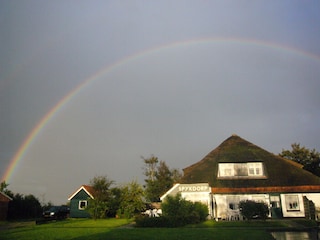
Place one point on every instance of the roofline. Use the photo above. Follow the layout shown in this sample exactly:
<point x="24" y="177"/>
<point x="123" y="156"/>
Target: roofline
<point x="276" y="189"/>
<point x="2" y="193"/>
<point x="83" y="187"/>
<point x="168" y="192"/>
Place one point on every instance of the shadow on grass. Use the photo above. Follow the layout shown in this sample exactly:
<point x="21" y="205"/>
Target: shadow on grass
<point x="178" y="233"/>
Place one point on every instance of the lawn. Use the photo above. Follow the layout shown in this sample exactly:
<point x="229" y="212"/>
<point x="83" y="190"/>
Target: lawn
<point x="86" y="229"/>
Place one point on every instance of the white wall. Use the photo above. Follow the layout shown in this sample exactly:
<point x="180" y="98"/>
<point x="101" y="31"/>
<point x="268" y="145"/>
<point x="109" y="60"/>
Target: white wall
<point x="203" y="197"/>
<point x="315" y="197"/>
<point x="222" y="202"/>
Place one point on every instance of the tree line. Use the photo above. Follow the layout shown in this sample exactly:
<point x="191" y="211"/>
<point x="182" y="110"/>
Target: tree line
<point x="129" y="199"/>
<point x="23" y="206"/>
<point x="109" y="200"/>
<point x="309" y="158"/>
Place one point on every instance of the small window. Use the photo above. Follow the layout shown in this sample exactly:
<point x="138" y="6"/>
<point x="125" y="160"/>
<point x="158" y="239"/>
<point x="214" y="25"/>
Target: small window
<point x="251" y="171"/>
<point x="275" y="201"/>
<point x="292" y="203"/>
<point x="255" y="169"/>
<point x="83" y="204"/>
<point x="233" y="206"/>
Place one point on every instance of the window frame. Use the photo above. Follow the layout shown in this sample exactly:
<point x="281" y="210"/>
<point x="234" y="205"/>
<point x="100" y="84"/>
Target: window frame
<point x="292" y="203"/>
<point x="85" y="204"/>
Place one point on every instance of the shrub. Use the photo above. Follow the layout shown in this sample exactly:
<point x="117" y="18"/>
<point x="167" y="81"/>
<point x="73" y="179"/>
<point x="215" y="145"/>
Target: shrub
<point x="251" y="209"/>
<point x="202" y="210"/>
<point x="177" y="212"/>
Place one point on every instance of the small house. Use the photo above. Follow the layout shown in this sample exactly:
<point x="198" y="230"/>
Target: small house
<point x="4" y="202"/>
<point x="79" y="202"/>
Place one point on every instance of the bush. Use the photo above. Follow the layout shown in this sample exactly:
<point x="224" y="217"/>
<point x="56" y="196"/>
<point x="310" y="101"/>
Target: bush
<point x="202" y="210"/>
<point x="177" y="212"/>
<point x="251" y="209"/>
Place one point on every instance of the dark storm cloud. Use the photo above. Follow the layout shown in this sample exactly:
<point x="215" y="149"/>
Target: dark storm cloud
<point x="177" y="103"/>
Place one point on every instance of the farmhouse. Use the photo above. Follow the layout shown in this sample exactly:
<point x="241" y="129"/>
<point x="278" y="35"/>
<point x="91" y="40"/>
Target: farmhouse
<point x="4" y="202"/>
<point x="238" y="170"/>
<point x="79" y="202"/>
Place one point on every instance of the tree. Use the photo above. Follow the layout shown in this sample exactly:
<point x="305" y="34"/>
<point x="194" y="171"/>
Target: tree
<point x="251" y="209"/>
<point x="4" y="189"/>
<point x="150" y="167"/>
<point x="164" y="177"/>
<point x="24" y="207"/>
<point x="131" y="200"/>
<point x="176" y="175"/>
<point x="310" y="159"/>
<point x="114" y="202"/>
<point x="21" y="206"/>
<point x="160" y="178"/>
<point x="3" y="186"/>
<point x="99" y="206"/>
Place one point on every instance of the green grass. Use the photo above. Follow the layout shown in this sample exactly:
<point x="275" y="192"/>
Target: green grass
<point x="85" y="229"/>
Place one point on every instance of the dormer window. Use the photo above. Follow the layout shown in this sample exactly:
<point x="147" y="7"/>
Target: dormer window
<point x="241" y="170"/>
<point x="255" y="169"/>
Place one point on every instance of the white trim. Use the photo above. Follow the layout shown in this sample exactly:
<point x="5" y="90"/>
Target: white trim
<point x="168" y="192"/>
<point x="76" y="192"/>
<point x="193" y="187"/>
<point x="82" y="201"/>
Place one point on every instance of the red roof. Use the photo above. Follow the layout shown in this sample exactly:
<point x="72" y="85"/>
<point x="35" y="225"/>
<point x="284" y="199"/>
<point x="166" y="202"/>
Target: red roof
<point x="4" y="197"/>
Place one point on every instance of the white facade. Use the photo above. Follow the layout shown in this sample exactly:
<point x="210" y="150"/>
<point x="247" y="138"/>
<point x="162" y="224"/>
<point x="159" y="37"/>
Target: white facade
<point x="226" y="206"/>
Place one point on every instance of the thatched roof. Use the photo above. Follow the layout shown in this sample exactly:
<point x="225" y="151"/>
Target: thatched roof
<point x="280" y="172"/>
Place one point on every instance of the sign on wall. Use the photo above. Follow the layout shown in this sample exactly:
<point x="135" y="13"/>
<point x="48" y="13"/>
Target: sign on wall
<point x="194" y="188"/>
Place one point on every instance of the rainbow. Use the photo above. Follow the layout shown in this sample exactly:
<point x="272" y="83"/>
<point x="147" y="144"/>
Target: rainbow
<point x="62" y="102"/>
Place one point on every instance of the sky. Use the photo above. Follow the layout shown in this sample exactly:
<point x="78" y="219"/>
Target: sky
<point x="87" y="88"/>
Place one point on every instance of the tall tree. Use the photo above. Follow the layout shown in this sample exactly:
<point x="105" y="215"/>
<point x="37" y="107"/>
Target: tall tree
<point x="160" y="178"/>
<point x="114" y="202"/>
<point x="99" y="206"/>
<point x="150" y="167"/>
<point x="310" y="159"/>
<point x="164" y="178"/>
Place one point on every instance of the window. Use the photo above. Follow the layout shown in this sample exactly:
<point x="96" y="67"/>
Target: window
<point x="233" y="206"/>
<point x="238" y="170"/>
<point x="226" y="170"/>
<point x="233" y="202"/>
<point x="292" y="203"/>
<point x="83" y="204"/>
<point x="275" y="201"/>
<point x="255" y="169"/>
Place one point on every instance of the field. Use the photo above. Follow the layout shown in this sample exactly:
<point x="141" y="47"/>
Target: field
<point x="87" y="229"/>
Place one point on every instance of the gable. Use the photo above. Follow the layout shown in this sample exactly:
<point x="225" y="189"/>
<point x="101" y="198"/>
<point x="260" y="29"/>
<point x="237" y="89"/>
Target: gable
<point x="4" y="197"/>
<point x="84" y="192"/>
<point x="235" y="150"/>
<point x="81" y="195"/>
